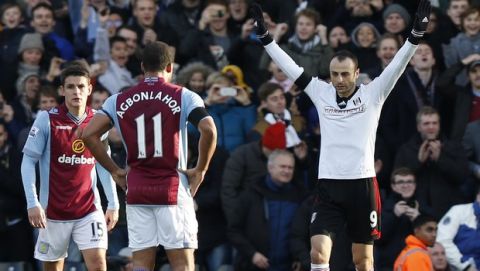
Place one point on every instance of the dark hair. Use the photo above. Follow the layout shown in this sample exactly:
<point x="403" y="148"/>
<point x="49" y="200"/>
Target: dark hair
<point x="344" y="54"/>
<point x="421" y="220"/>
<point x="466" y="13"/>
<point x="48" y="91"/>
<point x="9" y="5"/>
<point x="426" y="110"/>
<point x="74" y="68"/>
<point x="309" y="13"/>
<point x="117" y="39"/>
<point x="134" y="3"/>
<point x="266" y="89"/>
<point x="156" y="56"/>
<point x="401" y="171"/>
<point x="387" y="36"/>
<point x="43" y="5"/>
<point x="126" y="27"/>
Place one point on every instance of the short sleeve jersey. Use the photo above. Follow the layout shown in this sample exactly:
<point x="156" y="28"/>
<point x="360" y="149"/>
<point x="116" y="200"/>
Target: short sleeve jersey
<point x="152" y="120"/>
<point x="67" y="167"/>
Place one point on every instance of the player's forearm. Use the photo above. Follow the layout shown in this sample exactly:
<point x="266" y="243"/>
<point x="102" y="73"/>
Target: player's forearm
<point x="109" y="187"/>
<point x="284" y="61"/>
<point x="28" y="180"/>
<point x="206" y="146"/>
<point x="98" y="150"/>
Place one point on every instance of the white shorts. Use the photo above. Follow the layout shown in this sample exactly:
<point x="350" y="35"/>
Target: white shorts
<point x="172" y="226"/>
<point x="87" y="232"/>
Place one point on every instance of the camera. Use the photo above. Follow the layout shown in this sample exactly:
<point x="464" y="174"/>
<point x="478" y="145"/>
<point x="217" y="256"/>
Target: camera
<point x="411" y="203"/>
<point x="228" y="91"/>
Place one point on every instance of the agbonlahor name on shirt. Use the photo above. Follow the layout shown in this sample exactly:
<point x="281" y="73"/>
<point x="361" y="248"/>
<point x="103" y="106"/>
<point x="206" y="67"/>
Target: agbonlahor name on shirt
<point x="146" y="96"/>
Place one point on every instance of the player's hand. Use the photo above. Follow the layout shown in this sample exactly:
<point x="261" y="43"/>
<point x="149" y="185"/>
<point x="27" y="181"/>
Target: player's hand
<point x="111" y="217"/>
<point x="256" y="13"/>
<point x="120" y="177"/>
<point x="435" y="147"/>
<point x="37" y="217"/>
<point x="260" y="261"/>
<point x="423" y="152"/>
<point x="422" y="16"/>
<point x="195" y="178"/>
<point x="400" y="208"/>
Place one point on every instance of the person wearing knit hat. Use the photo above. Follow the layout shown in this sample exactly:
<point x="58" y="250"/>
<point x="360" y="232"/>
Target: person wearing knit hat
<point x="31" y="52"/>
<point x="31" y="41"/>
<point x="396" y="18"/>
<point x="275" y="137"/>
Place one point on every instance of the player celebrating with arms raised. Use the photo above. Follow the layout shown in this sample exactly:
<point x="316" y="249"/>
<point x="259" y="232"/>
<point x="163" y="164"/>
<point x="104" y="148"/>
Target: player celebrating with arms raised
<point x="151" y="118"/>
<point x="347" y="187"/>
<point x="69" y="205"/>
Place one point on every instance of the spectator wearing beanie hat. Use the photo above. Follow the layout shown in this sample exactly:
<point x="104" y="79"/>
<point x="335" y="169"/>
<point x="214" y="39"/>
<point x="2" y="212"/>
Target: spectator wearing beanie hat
<point x="30" y="54"/>
<point x="396" y="19"/>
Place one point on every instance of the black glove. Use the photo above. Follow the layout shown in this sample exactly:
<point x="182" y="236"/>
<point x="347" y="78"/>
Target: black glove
<point x="420" y="22"/>
<point x="261" y="30"/>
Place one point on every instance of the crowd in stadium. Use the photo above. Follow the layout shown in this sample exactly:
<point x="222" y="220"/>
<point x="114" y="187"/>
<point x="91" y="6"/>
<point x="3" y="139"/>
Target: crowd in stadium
<point x="427" y="151"/>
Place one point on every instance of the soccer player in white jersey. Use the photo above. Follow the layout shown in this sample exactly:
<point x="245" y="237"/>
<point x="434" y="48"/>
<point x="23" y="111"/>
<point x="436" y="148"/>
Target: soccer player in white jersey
<point x="69" y="205"/>
<point x="347" y="187"/>
<point x="151" y="119"/>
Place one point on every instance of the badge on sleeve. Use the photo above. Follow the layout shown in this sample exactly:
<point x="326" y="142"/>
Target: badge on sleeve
<point x="33" y="132"/>
<point x="446" y="220"/>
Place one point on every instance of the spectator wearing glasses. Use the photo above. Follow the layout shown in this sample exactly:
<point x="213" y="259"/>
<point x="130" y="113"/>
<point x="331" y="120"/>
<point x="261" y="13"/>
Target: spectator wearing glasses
<point x="400" y="208"/>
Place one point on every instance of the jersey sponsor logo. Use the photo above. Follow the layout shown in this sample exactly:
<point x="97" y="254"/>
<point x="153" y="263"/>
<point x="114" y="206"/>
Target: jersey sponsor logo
<point x="63" y="127"/>
<point x="33" y="132"/>
<point x="43" y="247"/>
<point x="357" y="101"/>
<point x="332" y="111"/>
<point x="78" y="146"/>
<point x="146" y="96"/>
<point x="75" y="160"/>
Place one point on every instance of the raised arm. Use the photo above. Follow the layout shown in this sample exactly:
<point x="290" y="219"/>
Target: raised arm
<point x="282" y="59"/>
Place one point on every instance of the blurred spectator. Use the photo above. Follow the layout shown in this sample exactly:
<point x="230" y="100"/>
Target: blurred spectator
<point x="364" y="42"/>
<point x="194" y="77"/>
<point x="458" y="233"/>
<point x="212" y="40"/>
<point x="433" y="36"/>
<point x="341" y="258"/>
<point x="246" y="51"/>
<point x="233" y="112"/>
<point x="213" y="247"/>
<point x="415" y="255"/>
<point x="260" y="230"/>
<point x="308" y="46"/>
<point x="15" y="231"/>
<point x="236" y="75"/>
<point x="471" y="143"/>
<point x="354" y="12"/>
<point x="417" y="87"/>
<point x="439" y="259"/>
<point x="452" y="25"/>
<point x="279" y="10"/>
<point x="272" y="109"/>
<point x="467" y="98"/>
<point x="399" y="209"/>
<point x="396" y="20"/>
<point x="387" y="47"/>
<point x="279" y="77"/>
<point x="30" y="54"/>
<point x="133" y="50"/>
<point x="12" y="18"/>
<point x="440" y="165"/>
<point x="337" y="36"/>
<point x="117" y="76"/>
<point x="238" y="10"/>
<point x="43" y="22"/>
<point x="147" y="25"/>
<point x="179" y="18"/>
<point x="465" y="43"/>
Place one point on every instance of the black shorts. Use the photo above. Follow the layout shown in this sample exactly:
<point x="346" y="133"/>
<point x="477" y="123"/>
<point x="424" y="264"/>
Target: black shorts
<point x="354" y="203"/>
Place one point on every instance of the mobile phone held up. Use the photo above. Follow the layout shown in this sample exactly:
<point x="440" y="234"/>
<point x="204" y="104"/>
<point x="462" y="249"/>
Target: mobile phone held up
<point x="228" y="91"/>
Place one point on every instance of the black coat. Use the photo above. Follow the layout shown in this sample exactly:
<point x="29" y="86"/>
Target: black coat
<point x="249" y="231"/>
<point x="438" y="182"/>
